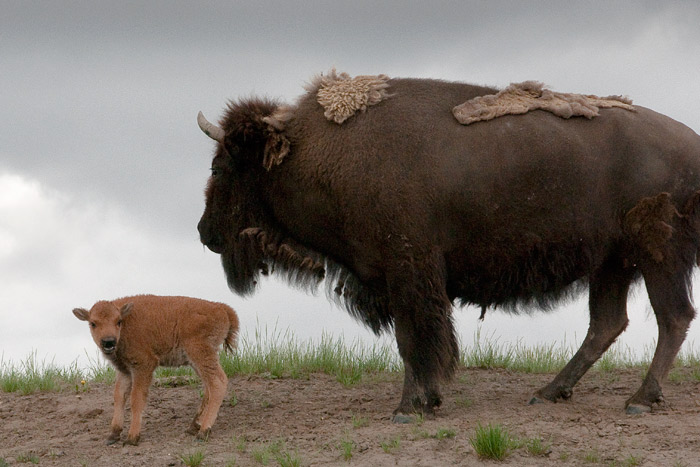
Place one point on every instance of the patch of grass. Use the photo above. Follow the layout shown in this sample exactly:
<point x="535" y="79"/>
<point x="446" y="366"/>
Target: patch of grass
<point x="632" y="461"/>
<point x="184" y="372"/>
<point x="240" y="443"/>
<point x="444" y="433"/>
<point x="29" y="457"/>
<point x="492" y="442"/>
<point x="282" y="355"/>
<point x="347" y="446"/>
<point x="419" y="419"/>
<point x="288" y="459"/>
<point x="100" y="371"/>
<point x="233" y="399"/>
<point x="193" y="459"/>
<point x="391" y="445"/>
<point x="276" y="450"/>
<point x="488" y="353"/>
<point x="3" y="462"/>
<point x="359" y="422"/>
<point x="32" y="376"/>
<point x="464" y="402"/>
<point x="538" y="447"/>
<point x="592" y="456"/>
<point x="276" y="355"/>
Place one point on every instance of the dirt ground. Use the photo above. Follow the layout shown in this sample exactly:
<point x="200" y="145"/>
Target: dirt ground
<point x="316" y="421"/>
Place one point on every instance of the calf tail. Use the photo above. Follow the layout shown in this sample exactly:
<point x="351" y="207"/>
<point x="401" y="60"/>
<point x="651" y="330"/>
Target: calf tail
<point x="232" y="335"/>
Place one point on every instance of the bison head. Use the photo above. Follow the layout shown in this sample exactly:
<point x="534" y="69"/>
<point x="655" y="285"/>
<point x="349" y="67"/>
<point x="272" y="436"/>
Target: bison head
<point x="249" y="146"/>
<point x="105" y="323"/>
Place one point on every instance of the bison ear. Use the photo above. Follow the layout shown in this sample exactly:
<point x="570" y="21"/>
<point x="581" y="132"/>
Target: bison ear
<point x="126" y="309"/>
<point x="276" y="149"/>
<point x="81" y="313"/>
<point x="277" y="145"/>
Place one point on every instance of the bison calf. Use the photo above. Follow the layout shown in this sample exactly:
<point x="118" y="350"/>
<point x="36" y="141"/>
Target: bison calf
<point x="138" y="334"/>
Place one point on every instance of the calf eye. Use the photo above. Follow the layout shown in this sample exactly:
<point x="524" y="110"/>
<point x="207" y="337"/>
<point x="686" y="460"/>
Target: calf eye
<point x="119" y="323"/>
<point x="92" y="325"/>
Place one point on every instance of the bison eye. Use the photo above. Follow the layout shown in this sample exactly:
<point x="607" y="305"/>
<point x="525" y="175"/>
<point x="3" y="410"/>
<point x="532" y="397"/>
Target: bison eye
<point x="92" y="325"/>
<point x="119" y="323"/>
<point x="215" y="172"/>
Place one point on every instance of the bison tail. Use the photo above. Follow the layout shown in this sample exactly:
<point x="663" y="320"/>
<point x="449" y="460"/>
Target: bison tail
<point x="691" y="212"/>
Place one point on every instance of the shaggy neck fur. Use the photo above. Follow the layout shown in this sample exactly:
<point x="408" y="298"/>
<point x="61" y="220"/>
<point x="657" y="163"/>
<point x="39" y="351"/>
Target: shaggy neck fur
<point x="520" y="98"/>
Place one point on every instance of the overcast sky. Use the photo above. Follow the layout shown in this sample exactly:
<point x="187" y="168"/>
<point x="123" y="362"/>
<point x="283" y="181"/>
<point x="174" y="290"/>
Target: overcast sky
<point x="103" y="167"/>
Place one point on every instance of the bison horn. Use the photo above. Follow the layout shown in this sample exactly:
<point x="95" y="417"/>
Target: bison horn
<point x="211" y="130"/>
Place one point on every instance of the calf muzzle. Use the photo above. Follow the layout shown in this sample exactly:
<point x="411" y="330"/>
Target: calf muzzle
<point x="108" y="345"/>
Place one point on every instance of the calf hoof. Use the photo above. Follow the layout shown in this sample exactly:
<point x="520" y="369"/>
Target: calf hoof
<point x="114" y="436"/>
<point x="132" y="441"/>
<point x="203" y="435"/>
<point x="193" y="429"/>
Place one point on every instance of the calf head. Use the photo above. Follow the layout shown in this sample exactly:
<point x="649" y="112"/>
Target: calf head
<point x="105" y="323"/>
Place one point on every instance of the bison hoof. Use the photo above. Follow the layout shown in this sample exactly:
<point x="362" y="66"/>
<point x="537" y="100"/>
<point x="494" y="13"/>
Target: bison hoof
<point x="552" y="394"/>
<point x="110" y="441"/>
<point x="637" y="409"/>
<point x="401" y="418"/>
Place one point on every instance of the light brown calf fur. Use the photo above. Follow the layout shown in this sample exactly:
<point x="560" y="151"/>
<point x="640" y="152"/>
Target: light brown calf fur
<point x="138" y="334"/>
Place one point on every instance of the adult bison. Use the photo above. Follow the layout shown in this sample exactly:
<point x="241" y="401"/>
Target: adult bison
<point x="408" y="211"/>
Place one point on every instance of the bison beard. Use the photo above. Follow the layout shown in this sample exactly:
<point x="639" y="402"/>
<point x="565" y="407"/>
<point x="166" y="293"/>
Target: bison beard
<point x="405" y="211"/>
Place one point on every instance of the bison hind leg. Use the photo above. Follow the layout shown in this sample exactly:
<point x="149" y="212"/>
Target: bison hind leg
<point x="609" y="287"/>
<point x="670" y="300"/>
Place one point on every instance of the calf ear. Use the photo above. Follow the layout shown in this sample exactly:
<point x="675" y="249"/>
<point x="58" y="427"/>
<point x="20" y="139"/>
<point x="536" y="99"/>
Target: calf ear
<point x="81" y="313"/>
<point x="126" y="309"/>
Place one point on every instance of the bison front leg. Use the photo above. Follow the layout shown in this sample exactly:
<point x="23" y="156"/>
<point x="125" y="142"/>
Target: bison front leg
<point x="121" y="390"/>
<point x="424" y="334"/>
<point x="608" y="318"/>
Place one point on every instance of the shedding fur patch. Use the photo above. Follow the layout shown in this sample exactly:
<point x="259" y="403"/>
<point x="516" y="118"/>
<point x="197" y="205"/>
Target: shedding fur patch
<point x="649" y="224"/>
<point x="342" y="96"/>
<point x="520" y="98"/>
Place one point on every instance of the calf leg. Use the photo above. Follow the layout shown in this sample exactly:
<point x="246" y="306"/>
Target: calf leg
<point x="121" y="389"/>
<point x="668" y="294"/>
<point x="609" y="288"/>
<point x="141" y="382"/>
<point x="205" y="361"/>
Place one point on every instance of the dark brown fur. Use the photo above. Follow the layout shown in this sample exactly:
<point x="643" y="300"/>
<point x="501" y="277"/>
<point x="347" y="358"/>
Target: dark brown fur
<point x="409" y="212"/>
